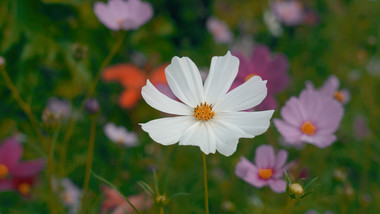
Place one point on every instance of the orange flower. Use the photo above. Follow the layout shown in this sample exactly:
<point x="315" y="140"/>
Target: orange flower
<point x="133" y="79"/>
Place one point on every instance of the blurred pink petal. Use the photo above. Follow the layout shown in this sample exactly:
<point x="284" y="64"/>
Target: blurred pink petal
<point x="219" y="30"/>
<point x="28" y="168"/>
<point x="10" y="152"/>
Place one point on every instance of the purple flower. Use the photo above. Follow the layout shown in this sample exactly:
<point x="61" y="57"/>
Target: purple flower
<point x="272" y="69"/>
<point x="123" y="15"/>
<point x="293" y="13"/>
<point x="14" y="174"/>
<point x="59" y="107"/>
<point x="312" y="118"/>
<point x="219" y="30"/>
<point x="331" y="88"/>
<point x="267" y="170"/>
<point x="120" y="135"/>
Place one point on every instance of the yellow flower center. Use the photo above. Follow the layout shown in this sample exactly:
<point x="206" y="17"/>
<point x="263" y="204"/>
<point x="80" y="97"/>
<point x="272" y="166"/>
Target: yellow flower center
<point x="204" y="112"/>
<point x="3" y="171"/>
<point x="120" y="21"/>
<point x="24" y="188"/>
<point x="308" y="128"/>
<point x="338" y="95"/>
<point x="249" y="77"/>
<point x="265" y="173"/>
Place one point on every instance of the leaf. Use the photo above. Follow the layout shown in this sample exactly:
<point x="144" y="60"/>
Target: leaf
<point x="306" y="194"/>
<point x="178" y="194"/>
<point x="146" y="188"/>
<point x="287" y="179"/>
<point x="309" y="184"/>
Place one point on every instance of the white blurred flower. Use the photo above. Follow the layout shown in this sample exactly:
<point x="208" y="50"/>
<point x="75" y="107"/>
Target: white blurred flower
<point x="70" y="196"/>
<point x="120" y="135"/>
<point x="219" y="30"/>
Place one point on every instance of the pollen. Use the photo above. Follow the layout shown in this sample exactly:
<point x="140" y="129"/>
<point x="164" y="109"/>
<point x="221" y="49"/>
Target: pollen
<point x="203" y="112"/>
<point x="249" y="77"/>
<point x="308" y="128"/>
<point x="24" y="188"/>
<point x="265" y="174"/>
<point x="338" y="95"/>
<point x="3" y="171"/>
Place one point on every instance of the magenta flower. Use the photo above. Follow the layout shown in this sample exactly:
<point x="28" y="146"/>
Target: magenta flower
<point x="123" y="15"/>
<point x="14" y="174"/>
<point x="331" y="88"/>
<point x="272" y="69"/>
<point x="267" y="170"/>
<point x="312" y="118"/>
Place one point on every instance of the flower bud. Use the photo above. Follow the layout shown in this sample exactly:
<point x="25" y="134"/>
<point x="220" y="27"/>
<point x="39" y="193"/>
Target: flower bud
<point x="49" y="119"/>
<point x="162" y="200"/>
<point x="296" y="188"/>
<point x="2" y="62"/>
<point x="92" y="106"/>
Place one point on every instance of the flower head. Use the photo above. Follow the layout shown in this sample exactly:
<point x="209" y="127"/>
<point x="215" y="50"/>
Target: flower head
<point x="331" y="88"/>
<point x="133" y="79"/>
<point x="120" y="135"/>
<point x="289" y="12"/>
<point x="267" y="170"/>
<point x="312" y="118"/>
<point x="16" y="174"/>
<point x="207" y="115"/>
<point x="260" y="63"/>
<point x="59" y="107"/>
<point x="219" y="30"/>
<point x="123" y="15"/>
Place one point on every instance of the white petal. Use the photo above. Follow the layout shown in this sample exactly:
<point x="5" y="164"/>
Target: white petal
<point x="161" y="102"/>
<point x="169" y="130"/>
<point x="223" y="71"/>
<point x="200" y="134"/>
<point x="252" y="123"/>
<point x="245" y="96"/>
<point x="185" y="81"/>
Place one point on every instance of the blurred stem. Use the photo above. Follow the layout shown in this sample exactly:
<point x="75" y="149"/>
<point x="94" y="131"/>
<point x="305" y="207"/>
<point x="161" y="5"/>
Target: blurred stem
<point x="65" y="142"/>
<point x="115" y="48"/>
<point x="304" y="154"/>
<point x="89" y="161"/>
<point x="24" y="106"/>
<point x="50" y="167"/>
<point x="205" y="182"/>
<point x="161" y="210"/>
<point x="290" y="205"/>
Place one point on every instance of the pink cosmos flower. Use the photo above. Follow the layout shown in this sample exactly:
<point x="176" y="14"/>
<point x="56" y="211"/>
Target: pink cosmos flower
<point x="118" y="205"/>
<point x="123" y="15"/>
<point x="312" y="118"/>
<point x="267" y="170"/>
<point x="15" y="174"/>
<point x="293" y="13"/>
<point x="219" y="30"/>
<point x="262" y="64"/>
<point x="331" y="88"/>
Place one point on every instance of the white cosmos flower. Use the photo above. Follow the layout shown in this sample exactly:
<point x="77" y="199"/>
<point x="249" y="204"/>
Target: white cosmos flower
<point x="208" y="116"/>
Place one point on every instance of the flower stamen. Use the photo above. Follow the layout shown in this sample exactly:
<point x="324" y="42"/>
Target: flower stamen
<point x="249" y="77"/>
<point x="3" y="171"/>
<point x="265" y="174"/>
<point x="338" y="95"/>
<point x="308" y="128"/>
<point x="24" y="188"/>
<point x="203" y="112"/>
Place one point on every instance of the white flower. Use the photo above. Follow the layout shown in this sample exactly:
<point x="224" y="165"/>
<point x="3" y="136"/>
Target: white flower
<point x="70" y="195"/>
<point x="209" y="117"/>
<point x="120" y="135"/>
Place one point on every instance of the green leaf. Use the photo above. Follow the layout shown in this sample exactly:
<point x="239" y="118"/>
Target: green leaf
<point x="310" y="183"/>
<point x="146" y="188"/>
<point x="306" y="194"/>
<point x="178" y="194"/>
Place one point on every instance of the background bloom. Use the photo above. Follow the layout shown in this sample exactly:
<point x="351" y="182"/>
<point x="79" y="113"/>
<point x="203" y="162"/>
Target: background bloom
<point x="290" y="13"/>
<point x="260" y="63"/>
<point x="123" y="15"/>
<point x="209" y="117"/>
<point x="219" y="30"/>
<point x="331" y="88"/>
<point x="120" y="135"/>
<point x="311" y="118"/>
<point x="267" y="170"/>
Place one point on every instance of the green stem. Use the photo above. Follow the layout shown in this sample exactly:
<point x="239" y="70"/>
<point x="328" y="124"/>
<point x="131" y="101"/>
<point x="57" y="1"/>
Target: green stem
<point x="205" y="182"/>
<point x="161" y="210"/>
<point x="290" y="205"/>
<point x="304" y="153"/>
<point x="24" y="106"/>
<point x="89" y="161"/>
<point x="49" y="171"/>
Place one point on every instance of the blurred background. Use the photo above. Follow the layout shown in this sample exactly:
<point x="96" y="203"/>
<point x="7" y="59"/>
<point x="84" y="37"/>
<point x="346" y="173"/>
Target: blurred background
<point x="53" y="50"/>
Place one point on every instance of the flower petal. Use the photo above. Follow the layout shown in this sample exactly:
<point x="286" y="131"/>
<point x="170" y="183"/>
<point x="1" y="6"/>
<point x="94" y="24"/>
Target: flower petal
<point x="28" y="168"/>
<point x="246" y="96"/>
<point x="291" y="134"/>
<point x="169" y="130"/>
<point x="330" y="86"/>
<point x="253" y="178"/>
<point x="185" y="81"/>
<point x="161" y="102"/>
<point x="252" y="123"/>
<point x="105" y="16"/>
<point x="281" y="158"/>
<point x="264" y="157"/>
<point x="242" y="168"/>
<point x="321" y="141"/>
<point x="222" y="73"/>
<point x="293" y="113"/>
<point x="10" y="152"/>
<point x="260" y="59"/>
<point x="200" y="134"/>
<point x="5" y="185"/>
<point x="277" y="185"/>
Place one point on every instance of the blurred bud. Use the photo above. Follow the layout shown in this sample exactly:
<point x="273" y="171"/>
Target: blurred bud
<point x="229" y="206"/>
<point x="2" y="62"/>
<point x="340" y="174"/>
<point x="49" y="119"/>
<point x="296" y="188"/>
<point x="349" y="191"/>
<point x="92" y="106"/>
<point x="162" y="200"/>
<point x="365" y="200"/>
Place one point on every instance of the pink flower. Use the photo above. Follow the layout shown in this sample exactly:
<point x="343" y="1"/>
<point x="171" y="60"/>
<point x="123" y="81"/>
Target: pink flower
<point x="219" y="30"/>
<point x="14" y="174"/>
<point x="331" y="88"/>
<point x="312" y="118"/>
<point x="123" y="15"/>
<point x="267" y="170"/>
<point x="118" y="205"/>
<point x="293" y="13"/>
<point x="272" y="69"/>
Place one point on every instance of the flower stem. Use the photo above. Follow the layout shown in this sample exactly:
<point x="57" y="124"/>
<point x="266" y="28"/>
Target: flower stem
<point x="24" y="106"/>
<point x="89" y="162"/>
<point x="205" y="182"/>
<point x="161" y="210"/>
<point x="290" y="205"/>
<point x="49" y="171"/>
